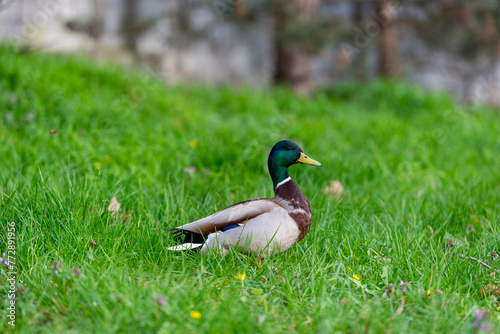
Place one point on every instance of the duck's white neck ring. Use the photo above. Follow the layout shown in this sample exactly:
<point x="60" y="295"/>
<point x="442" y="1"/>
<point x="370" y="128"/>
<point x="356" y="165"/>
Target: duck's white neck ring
<point x="284" y="181"/>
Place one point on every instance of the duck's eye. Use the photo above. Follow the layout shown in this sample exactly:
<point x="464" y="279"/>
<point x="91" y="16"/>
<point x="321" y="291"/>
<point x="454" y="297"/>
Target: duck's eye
<point x="289" y="148"/>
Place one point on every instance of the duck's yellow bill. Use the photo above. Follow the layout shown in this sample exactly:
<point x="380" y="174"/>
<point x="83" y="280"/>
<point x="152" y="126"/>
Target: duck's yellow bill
<point x="304" y="159"/>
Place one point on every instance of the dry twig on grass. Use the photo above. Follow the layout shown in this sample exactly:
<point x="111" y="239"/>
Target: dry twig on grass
<point x="495" y="271"/>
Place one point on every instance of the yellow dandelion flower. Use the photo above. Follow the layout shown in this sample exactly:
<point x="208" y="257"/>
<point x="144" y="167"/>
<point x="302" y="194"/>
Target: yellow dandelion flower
<point x="193" y="143"/>
<point x="356" y="277"/>
<point x="97" y="165"/>
<point x="428" y="293"/>
<point x="241" y="277"/>
<point x="498" y="308"/>
<point x="349" y="269"/>
<point x="195" y="314"/>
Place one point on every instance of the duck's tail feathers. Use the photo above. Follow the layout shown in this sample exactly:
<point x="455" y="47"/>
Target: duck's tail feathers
<point x="184" y="247"/>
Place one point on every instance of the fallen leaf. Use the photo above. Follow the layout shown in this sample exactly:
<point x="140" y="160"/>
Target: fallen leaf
<point x="92" y="243"/>
<point x="401" y="306"/>
<point x="490" y="290"/>
<point x="334" y="190"/>
<point x="114" y="206"/>
<point x="126" y="216"/>
<point x="53" y="132"/>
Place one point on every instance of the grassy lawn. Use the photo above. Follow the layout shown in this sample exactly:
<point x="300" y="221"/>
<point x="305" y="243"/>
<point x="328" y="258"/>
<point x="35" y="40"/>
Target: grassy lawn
<point x="419" y="173"/>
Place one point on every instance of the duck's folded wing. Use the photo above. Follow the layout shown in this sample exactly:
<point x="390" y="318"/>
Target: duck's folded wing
<point x="235" y="214"/>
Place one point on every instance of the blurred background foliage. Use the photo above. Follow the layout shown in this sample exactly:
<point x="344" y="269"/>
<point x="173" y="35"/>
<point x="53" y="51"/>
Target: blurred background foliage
<point x="450" y="45"/>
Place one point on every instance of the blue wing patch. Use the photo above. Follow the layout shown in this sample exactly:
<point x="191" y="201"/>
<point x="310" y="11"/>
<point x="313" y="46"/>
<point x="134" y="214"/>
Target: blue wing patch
<point x="230" y="227"/>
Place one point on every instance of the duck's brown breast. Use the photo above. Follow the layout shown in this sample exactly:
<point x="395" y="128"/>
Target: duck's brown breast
<point x="298" y="206"/>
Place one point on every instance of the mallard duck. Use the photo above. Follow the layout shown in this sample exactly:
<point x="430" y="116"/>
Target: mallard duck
<point x="262" y="226"/>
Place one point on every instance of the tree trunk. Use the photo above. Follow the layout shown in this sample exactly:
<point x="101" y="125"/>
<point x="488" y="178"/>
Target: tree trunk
<point x="129" y="21"/>
<point x="292" y="59"/>
<point x="389" y="65"/>
<point x="241" y="9"/>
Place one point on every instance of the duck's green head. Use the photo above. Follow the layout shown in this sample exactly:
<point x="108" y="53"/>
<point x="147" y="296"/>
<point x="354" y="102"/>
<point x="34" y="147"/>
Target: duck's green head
<point x="284" y="154"/>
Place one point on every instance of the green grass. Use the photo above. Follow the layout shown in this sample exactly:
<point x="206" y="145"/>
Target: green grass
<point x="417" y="170"/>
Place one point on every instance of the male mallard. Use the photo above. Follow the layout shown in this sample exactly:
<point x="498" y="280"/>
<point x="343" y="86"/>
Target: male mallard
<point x="262" y="226"/>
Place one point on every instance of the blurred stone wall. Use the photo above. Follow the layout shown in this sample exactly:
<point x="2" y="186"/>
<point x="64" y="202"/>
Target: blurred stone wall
<point x="205" y="45"/>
